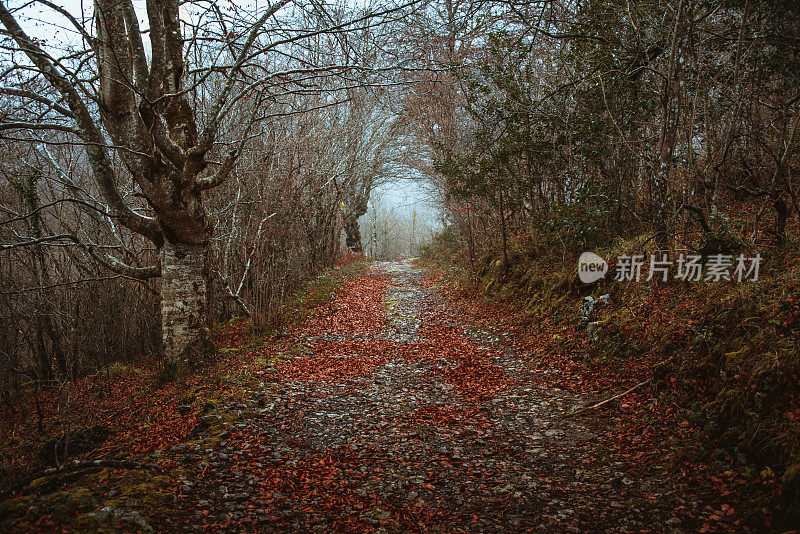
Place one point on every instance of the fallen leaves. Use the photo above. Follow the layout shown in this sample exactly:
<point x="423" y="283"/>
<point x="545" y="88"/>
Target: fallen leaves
<point x="404" y="420"/>
<point x="390" y="408"/>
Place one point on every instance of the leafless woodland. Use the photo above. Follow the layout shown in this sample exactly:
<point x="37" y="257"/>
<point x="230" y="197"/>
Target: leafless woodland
<point x="166" y="166"/>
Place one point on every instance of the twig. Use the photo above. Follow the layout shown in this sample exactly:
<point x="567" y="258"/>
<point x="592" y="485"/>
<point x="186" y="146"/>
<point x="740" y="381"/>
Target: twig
<point x="593" y="406"/>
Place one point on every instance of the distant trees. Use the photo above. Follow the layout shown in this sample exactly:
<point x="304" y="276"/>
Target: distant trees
<point x="393" y="228"/>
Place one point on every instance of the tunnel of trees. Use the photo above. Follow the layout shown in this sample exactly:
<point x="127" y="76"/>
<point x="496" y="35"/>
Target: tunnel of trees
<point x="166" y="166"/>
<point x="205" y="170"/>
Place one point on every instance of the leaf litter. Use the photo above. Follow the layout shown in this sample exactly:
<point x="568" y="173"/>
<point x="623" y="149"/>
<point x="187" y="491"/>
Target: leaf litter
<point x="397" y="412"/>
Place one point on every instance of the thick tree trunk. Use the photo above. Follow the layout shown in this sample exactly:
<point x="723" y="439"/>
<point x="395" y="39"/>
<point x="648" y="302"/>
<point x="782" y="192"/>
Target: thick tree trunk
<point x="353" y="235"/>
<point x="184" y="306"/>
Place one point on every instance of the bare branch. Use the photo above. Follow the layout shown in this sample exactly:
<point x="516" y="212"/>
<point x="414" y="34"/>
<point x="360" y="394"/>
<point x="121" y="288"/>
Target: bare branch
<point x="95" y="149"/>
<point x="38" y="98"/>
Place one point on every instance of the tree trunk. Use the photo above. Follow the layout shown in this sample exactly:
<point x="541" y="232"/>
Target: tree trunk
<point x="353" y="235"/>
<point x="503" y="232"/>
<point x="184" y="306"/>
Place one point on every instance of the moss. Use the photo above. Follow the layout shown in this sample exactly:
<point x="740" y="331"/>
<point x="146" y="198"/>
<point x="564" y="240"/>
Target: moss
<point x="15" y="508"/>
<point x="791" y="478"/>
<point x="791" y="490"/>
<point x="119" y="370"/>
<point x="80" y="500"/>
<point x="71" y="505"/>
<point x="139" y="489"/>
<point x="37" y="483"/>
<point x="63" y="506"/>
<point x="93" y="523"/>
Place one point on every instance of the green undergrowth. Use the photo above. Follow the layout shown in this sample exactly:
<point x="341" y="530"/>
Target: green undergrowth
<point x="727" y="354"/>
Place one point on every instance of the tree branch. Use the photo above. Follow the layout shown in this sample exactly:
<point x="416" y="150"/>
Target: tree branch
<point x="38" y="98"/>
<point x="96" y="150"/>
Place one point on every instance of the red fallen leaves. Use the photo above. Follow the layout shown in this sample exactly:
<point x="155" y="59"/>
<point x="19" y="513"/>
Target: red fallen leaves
<point x="357" y="309"/>
<point x="438" y="416"/>
<point x="233" y="335"/>
<point x="330" y="479"/>
<point x="449" y="420"/>
<point x="144" y="419"/>
<point x="477" y="377"/>
<point x="643" y="432"/>
<point x="336" y="360"/>
<point x="328" y="486"/>
<point x="330" y="482"/>
<point x="159" y="427"/>
<point x="333" y="480"/>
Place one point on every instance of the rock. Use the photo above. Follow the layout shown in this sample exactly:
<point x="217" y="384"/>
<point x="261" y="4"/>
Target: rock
<point x="586" y="308"/>
<point x="590" y="304"/>
<point x="593" y="331"/>
<point x="376" y="515"/>
<point x="117" y="515"/>
<point x="73" y="442"/>
<point x="506" y="488"/>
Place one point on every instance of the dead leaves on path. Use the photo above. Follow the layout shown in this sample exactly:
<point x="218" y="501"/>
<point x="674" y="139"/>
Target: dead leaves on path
<point x="343" y="340"/>
<point x="357" y="310"/>
<point x="427" y="421"/>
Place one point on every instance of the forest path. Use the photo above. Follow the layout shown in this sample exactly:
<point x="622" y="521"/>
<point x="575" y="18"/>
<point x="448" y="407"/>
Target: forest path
<point x="392" y="413"/>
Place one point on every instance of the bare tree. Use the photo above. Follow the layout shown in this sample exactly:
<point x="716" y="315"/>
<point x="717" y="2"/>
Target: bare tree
<point x="153" y="117"/>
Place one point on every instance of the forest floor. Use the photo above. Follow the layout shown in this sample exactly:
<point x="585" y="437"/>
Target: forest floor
<point x="399" y="413"/>
<point x="395" y="409"/>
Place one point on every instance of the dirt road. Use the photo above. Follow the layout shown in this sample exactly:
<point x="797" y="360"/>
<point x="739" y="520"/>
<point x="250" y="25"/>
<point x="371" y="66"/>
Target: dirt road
<point x="390" y="413"/>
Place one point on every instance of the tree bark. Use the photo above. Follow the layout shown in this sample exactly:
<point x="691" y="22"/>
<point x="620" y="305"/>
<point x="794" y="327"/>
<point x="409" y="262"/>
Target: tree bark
<point x="184" y="302"/>
<point x="503" y="231"/>
<point x="353" y="235"/>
